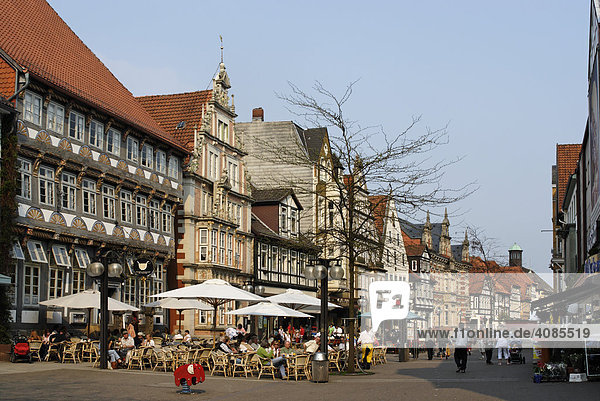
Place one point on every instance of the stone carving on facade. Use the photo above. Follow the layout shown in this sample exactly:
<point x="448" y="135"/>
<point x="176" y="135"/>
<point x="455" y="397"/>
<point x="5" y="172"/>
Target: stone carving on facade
<point x="206" y="119"/>
<point x="81" y="175"/>
<point x="221" y="85"/>
<point x="196" y="157"/>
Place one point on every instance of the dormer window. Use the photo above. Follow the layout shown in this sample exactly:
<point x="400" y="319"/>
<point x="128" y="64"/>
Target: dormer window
<point x="284" y="216"/>
<point x="294" y="222"/>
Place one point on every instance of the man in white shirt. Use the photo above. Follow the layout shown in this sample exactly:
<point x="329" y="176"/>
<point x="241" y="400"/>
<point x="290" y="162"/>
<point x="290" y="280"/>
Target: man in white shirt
<point x="312" y="346"/>
<point x="187" y="338"/>
<point x="127" y="344"/>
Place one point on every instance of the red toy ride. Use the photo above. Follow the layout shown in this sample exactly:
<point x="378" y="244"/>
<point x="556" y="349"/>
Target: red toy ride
<point x="186" y="375"/>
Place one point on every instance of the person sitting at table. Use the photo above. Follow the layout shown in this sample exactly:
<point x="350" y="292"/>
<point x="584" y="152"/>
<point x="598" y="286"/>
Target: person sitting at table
<point x="127" y="344"/>
<point x="286" y="349"/>
<point x="139" y="339"/>
<point x="187" y="338"/>
<point x="312" y="346"/>
<point x="148" y="341"/>
<point x="241" y="332"/>
<point x="45" y="344"/>
<point x="245" y="346"/>
<point x="267" y="358"/>
<point x="225" y="347"/>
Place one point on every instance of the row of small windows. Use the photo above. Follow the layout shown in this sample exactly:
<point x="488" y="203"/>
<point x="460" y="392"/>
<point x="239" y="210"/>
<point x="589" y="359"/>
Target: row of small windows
<point x="133" y="210"/>
<point x="56" y="275"/>
<point x="221" y="247"/>
<point x="109" y="140"/>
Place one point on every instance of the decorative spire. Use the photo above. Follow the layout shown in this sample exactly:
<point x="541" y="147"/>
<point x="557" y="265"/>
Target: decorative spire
<point x="428" y="222"/>
<point x="446" y="221"/>
<point x="466" y="241"/>
<point x="221" y="37"/>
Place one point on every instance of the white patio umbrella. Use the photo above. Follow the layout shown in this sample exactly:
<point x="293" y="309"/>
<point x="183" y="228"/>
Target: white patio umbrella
<point x="297" y="300"/>
<point x="268" y="309"/>
<point x="180" y="305"/>
<point x="214" y="292"/>
<point x="88" y="299"/>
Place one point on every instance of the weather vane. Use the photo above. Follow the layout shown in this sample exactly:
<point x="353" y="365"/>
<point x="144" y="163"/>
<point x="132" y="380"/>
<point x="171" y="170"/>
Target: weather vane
<point x="221" y="37"/>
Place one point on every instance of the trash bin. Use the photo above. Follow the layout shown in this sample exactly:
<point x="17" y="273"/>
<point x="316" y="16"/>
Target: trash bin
<point x="320" y="368"/>
<point x="403" y="355"/>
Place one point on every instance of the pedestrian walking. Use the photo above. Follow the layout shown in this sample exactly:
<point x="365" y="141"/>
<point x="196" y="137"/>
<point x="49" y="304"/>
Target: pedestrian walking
<point x="461" y="351"/>
<point x="502" y="345"/>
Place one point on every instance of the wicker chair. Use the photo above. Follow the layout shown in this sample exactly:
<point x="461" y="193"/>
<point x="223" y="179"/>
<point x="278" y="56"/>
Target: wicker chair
<point x="164" y="359"/>
<point x="220" y="363"/>
<point x="334" y="361"/>
<point x="266" y="369"/>
<point x="136" y="358"/>
<point x="240" y="365"/>
<point x="204" y="358"/>
<point x="70" y="353"/>
<point x="34" y="348"/>
<point x="299" y="366"/>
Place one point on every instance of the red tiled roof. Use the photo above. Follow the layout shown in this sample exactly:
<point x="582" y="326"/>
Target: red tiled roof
<point x="170" y="110"/>
<point x="414" y="250"/>
<point x="410" y="241"/>
<point x="379" y="206"/>
<point x="35" y="36"/>
<point x="566" y="163"/>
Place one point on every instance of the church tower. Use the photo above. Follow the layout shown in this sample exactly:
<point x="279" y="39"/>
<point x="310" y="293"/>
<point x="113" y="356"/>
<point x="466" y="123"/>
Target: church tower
<point x="515" y="255"/>
<point x="426" y="236"/>
<point x="445" y="248"/>
<point x="465" y="257"/>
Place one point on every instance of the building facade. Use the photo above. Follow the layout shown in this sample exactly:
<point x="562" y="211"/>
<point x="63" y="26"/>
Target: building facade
<point x="214" y="222"/>
<point x="95" y="172"/>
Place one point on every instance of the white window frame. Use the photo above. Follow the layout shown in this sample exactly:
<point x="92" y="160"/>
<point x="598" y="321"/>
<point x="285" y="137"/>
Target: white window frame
<point x="78" y="283"/>
<point x="213" y="245"/>
<point x="32" y="108"/>
<point x="167" y="219"/>
<point x="174" y="167"/>
<point x="133" y="149"/>
<point x="88" y="197"/>
<point x="24" y="178"/>
<point x="233" y="172"/>
<point x="155" y="218"/>
<point x="203" y="234"/>
<point x="31" y="285"/>
<point x="76" y="126"/>
<point x="83" y="258"/>
<point x="222" y="235"/>
<point x="213" y="164"/>
<point x="126" y="207"/>
<point x="46" y="185"/>
<point x="96" y="138"/>
<point x="61" y="255"/>
<point x="147" y="156"/>
<point x="16" y="251"/>
<point x="68" y="183"/>
<point x="113" y="142"/>
<point x="108" y="202"/>
<point x="141" y="211"/>
<point x="55" y="117"/>
<point x="230" y="249"/>
<point x="161" y="162"/>
<point x="37" y="253"/>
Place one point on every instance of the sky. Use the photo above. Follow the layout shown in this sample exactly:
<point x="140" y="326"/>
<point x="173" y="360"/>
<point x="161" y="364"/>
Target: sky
<point x="509" y="78"/>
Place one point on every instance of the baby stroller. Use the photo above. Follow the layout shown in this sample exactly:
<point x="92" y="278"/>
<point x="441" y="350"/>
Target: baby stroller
<point x="516" y="353"/>
<point x="20" y="350"/>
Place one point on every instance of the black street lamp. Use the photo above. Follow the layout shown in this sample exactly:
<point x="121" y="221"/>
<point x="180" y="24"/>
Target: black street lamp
<point x="97" y="270"/>
<point x="323" y="270"/>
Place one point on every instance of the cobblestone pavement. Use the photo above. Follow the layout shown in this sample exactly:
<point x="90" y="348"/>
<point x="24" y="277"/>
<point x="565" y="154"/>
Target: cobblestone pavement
<point x="414" y="380"/>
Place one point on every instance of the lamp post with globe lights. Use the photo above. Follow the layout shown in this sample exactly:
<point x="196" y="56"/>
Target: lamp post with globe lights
<point x="98" y="270"/>
<point x="324" y="269"/>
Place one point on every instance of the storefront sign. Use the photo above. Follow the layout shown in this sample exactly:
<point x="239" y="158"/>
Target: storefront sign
<point x="143" y="267"/>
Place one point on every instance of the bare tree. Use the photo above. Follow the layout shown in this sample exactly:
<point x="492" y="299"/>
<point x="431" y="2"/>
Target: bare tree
<point x="400" y="166"/>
